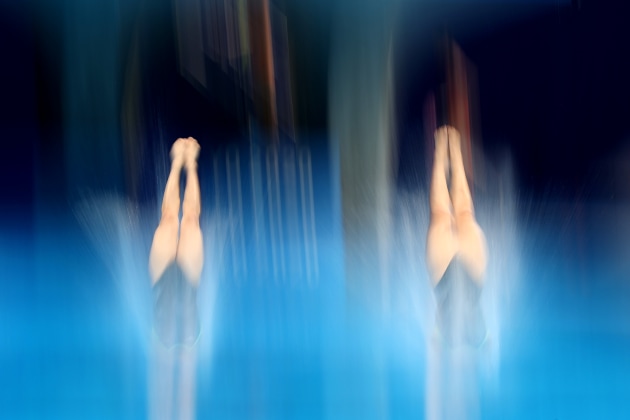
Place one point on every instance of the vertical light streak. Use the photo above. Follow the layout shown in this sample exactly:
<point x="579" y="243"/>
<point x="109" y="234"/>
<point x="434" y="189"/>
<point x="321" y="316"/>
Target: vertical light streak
<point x="274" y="258"/>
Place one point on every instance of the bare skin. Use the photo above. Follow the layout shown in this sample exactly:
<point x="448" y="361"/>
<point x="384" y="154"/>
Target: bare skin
<point x="181" y="243"/>
<point x="453" y="231"/>
<point x="175" y="241"/>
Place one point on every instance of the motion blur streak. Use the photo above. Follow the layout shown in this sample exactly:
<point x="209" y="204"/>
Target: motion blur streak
<point x="361" y="127"/>
<point x="238" y="52"/>
<point x="122" y="238"/>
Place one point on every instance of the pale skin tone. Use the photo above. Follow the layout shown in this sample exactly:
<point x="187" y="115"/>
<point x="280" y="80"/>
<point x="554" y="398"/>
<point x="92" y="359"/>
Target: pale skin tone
<point x="453" y="230"/>
<point x="174" y="241"/>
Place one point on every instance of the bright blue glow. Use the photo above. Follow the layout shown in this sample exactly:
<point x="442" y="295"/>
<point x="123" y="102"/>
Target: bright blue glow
<point x="71" y="346"/>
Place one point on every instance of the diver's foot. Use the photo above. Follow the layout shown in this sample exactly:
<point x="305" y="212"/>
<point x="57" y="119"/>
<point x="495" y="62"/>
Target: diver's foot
<point x="441" y="147"/>
<point x="178" y="152"/>
<point x="192" y="153"/>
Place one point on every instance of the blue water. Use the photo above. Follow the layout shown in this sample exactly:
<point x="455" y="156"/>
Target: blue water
<point x="71" y="345"/>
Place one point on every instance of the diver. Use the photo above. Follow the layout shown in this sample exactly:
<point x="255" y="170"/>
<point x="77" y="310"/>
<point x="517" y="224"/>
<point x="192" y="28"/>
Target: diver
<point x="176" y="258"/>
<point x="456" y="251"/>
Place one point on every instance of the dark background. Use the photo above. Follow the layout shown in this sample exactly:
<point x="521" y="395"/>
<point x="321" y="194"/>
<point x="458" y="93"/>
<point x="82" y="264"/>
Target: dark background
<point x="553" y="89"/>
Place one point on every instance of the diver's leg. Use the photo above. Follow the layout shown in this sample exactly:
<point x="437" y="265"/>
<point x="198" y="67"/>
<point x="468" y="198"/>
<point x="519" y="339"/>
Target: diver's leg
<point x="470" y="238"/>
<point x="164" y="246"/>
<point x="441" y="243"/>
<point x="460" y="192"/>
<point x="190" y="247"/>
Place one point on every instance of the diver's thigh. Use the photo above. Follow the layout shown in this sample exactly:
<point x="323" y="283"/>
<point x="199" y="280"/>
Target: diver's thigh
<point x="441" y="246"/>
<point x="472" y="246"/>
<point x="190" y="249"/>
<point x="164" y="247"/>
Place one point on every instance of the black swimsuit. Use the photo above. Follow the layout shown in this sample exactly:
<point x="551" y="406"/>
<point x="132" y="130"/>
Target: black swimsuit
<point x="459" y="316"/>
<point x="175" y="315"/>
